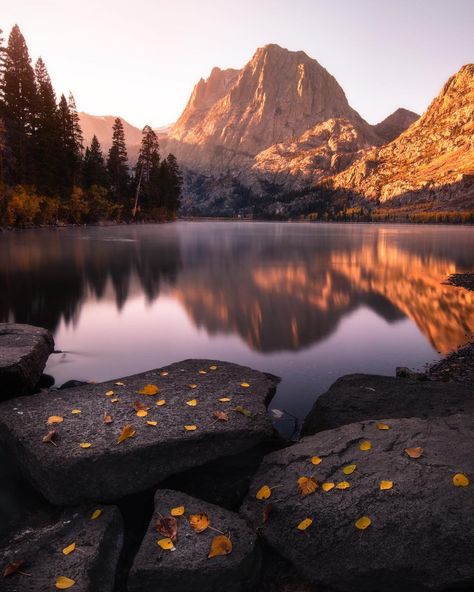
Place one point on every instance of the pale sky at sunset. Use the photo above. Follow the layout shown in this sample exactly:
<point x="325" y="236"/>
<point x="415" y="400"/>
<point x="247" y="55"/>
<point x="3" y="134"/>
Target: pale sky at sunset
<point x="141" y="59"/>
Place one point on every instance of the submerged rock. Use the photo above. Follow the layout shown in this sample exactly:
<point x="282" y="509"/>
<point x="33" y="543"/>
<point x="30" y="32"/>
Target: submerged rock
<point x="357" y="397"/>
<point x="415" y="532"/>
<point x="39" y="547"/>
<point x="24" y="350"/>
<point x="196" y="411"/>
<point x="188" y="568"/>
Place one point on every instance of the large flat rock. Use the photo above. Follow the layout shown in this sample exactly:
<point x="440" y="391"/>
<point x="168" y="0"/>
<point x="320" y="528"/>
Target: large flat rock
<point x="188" y="568"/>
<point x="24" y="351"/>
<point x="357" y="397"/>
<point x="67" y="473"/>
<point x="420" y="536"/>
<point x="40" y="547"/>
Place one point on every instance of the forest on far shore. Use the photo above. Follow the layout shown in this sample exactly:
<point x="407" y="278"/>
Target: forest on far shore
<point x="48" y="176"/>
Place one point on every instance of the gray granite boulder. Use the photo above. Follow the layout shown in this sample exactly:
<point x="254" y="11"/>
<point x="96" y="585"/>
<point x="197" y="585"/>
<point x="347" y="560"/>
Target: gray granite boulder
<point x="85" y="461"/>
<point x="357" y="397"/>
<point x="39" y="546"/>
<point x="188" y="568"/>
<point x="24" y="351"/>
<point x="420" y="535"/>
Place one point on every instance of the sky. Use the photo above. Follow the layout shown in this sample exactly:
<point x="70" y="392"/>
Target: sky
<point x="140" y="60"/>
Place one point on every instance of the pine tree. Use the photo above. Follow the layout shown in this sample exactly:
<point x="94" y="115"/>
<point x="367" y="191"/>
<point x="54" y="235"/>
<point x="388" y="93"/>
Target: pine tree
<point x="147" y="171"/>
<point x="117" y="165"/>
<point x="94" y="171"/>
<point x="170" y="183"/>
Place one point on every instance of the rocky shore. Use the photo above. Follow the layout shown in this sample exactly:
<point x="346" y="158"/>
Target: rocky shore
<point x="174" y="480"/>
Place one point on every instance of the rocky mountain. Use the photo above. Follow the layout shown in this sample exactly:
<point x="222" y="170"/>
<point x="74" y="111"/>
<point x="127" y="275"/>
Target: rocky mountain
<point x="101" y="126"/>
<point x="396" y="123"/>
<point x="432" y="161"/>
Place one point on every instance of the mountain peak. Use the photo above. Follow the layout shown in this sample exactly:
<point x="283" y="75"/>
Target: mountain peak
<point x="396" y="123"/>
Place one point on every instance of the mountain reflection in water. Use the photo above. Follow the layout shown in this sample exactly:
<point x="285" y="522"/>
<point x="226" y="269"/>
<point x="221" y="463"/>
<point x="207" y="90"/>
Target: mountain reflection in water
<point x="306" y="302"/>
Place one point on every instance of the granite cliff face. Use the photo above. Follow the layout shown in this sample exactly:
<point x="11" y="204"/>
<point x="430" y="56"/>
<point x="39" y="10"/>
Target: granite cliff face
<point x="396" y="123"/>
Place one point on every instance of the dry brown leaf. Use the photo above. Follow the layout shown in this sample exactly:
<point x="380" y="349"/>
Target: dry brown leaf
<point x="221" y="545"/>
<point x="267" y="509"/>
<point x="52" y="419"/>
<point x="149" y="390"/>
<point x="167" y="526"/>
<point x="127" y="432"/>
<point x="414" y="452"/>
<point x="50" y="437"/>
<point x="107" y="419"/>
<point x="13" y="568"/>
<point x="307" y="485"/>
<point x="139" y="406"/>
<point x="221" y="415"/>
<point x="199" y="522"/>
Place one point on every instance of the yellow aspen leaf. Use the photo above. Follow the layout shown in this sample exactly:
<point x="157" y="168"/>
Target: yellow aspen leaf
<point x="63" y="583"/>
<point x="190" y="428"/>
<point x="119" y="384"/>
<point x="263" y="493"/>
<point x="69" y="549"/>
<point x="116" y="400"/>
<point x="109" y="394"/>
<point x="363" y="523"/>
<point x="202" y="372"/>
<point x="76" y="411"/>
<point x="164" y="373"/>
<point x="327" y="486"/>
<point x="199" y="522"/>
<point x="192" y="403"/>
<point x="382" y="426"/>
<point x="127" y="432"/>
<point x="193" y="386"/>
<point x="365" y="445"/>
<point x="178" y="511"/>
<point x="96" y="514"/>
<point x="166" y="544"/>
<point x="386" y="485"/>
<point x="316" y="460"/>
<point x="460" y="480"/>
<point x="55" y="419"/>
<point x="213" y="367"/>
<point x="85" y="444"/>
<point x="244" y="384"/>
<point x="152" y="423"/>
<point x="343" y="485"/>
<point x="307" y="485"/>
<point x="149" y="390"/>
<point x="161" y="402"/>
<point x="225" y="399"/>
<point x="349" y="469"/>
<point x="221" y="545"/>
<point x="414" y="452"/>
<point x="142" y="413"/>
<point x="304" y="524"/>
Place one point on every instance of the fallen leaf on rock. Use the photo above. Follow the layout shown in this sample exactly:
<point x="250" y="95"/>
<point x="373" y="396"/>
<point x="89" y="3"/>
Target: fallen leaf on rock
<point x="365" y="445"/>
<point x="414" y="452"/>
<point x="107" y="419"/>
<point x="327" y="486"/>
<point x="109" y="394"/>
<point x="166" y="544"/>
<point x="192" y="403"/>
<point x="221" y="415"/>
<point x="304" y="524"/>
<point x="161" y="402"/>
<point x="193" y="386"/>
<point x="460" y="480"/>
<point x="221" y="545"/>
<point x="266" y="512"/>
<point x="382" y="426"/>
<point x="152" y="423"/>
<point x="85" y="444"/>
<point x="54" y="419"/>
<point x="119" y="384"/>
<point x="244" y="384"/>
<point x="349" y="469"/>
<point x="190" y="428"/>
<point x="63" y="583"/>
<point x="363" y="523"/>
<point x="69" y="549"/>
<point x="243" y="411"/>
<point x="127" y="432"/>
<point x="199" y="522"/>
<point x="178" y="511"/>
<point x="202" y="372"/>
<point x="307" y="485"/>
<point x="343" y="485"/>
<point x="386" y="485"/>
<point x="139" y="406"/>
<point x="263" y="493"/>
<point x="50" y="437"/>
<point x="167" y="526"/>
<point x="76" y="411"/>
<point x="96" y="514"/>
<point x="315" y="460"/>
<point x="225" y="399"/>
<point x="116" y="400"/>
<point x="142" y="413"/>
<point x="149" y="390"/>
<point x="13" y="568"/>
<point x="164" y="373"/>
<point x="212" y="367"/>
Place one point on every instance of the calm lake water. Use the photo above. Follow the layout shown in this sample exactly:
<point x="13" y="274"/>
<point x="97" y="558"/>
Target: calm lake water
<point x="308" y="302"/>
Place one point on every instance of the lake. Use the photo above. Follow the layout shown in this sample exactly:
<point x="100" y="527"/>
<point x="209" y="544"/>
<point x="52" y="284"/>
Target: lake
<point x="307" y="302"/>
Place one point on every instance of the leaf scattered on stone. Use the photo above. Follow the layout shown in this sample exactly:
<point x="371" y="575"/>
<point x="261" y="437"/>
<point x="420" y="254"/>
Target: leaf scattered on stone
<point x="167" y="526"/>
<point x="263" y="493"/>
<point x="213" y="367"/>
<point x="460" y="480"/>
<point x="149" y="390"/>
<point x="193" y="386"/>
<point x="221" y="545"/>
<point x="327" y="486"/>
<point x="178" y="511"/>
<point x="202" y="372"/>
<point x="316" y="460"/>
<point x="304" y="524"/>
<point x="307" y="485"/>
<point x="50" y="437"/>
<point x="192" y="403"/>
<point x="164" y="373"/>
<point x="127" y="432"/>
<point x="139" y="406"/>
<point x="96" y="514"/>
<point x="76" y="411"/>
<point x="166" y="544"/>
<point x="85" y="444"/>
<point x="116" y="400"/>
<point x="109" y="394"/>
<point x="221" y="415"/>
<point x="142" y="413"/>
<point x="199" y="522"/>
<point x="161" y="402"/>
<point x="64" y="583"/>
<point x="365" y="445"/>
<point x="244" y="384"/>
<point x="107" y="419"/>
<point x="119" y="384"/>
<point x="386" y="485"/>
<point x="152" y="423"/>
<point x="414" y="452"/>
<point x="243" y="411"/>
<point x="349" y="469"/>
<point x="69" y="549"/>
<point x="382" y="426"/>
<point x="363" y="523"/>
<point x="190" y="428"/>
<point x="343" y="485"/>
<point x="13" y="568"/>
<point x="52" y="419"/>
<point x="225" y="399"/>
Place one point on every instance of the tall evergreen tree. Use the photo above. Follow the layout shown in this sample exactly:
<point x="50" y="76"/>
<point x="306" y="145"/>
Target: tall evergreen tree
<point x="94" y="171"/>
<point x="147" y="171"/>
<point x="117" y="165"/>
<point x="170" y="184"/>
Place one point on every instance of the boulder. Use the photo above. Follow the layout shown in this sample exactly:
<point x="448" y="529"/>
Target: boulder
<point x="39" y="546"/>
<point x="85" y="461"/>
<point x="357" y="397"/>
<point x="188" y="568"/>
<point x="418" y="536"/>
<point x="24" y="351"/>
